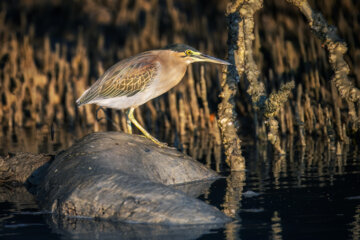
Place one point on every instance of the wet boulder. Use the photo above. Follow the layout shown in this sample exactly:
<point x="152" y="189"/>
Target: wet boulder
<point x="121" y="177"/>
<point x="18" y="167"/>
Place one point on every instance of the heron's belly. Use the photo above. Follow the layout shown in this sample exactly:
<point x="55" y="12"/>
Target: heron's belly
<point x="124" y="102"/>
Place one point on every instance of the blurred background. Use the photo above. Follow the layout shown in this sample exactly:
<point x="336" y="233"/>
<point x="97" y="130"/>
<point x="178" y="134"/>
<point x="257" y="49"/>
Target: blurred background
<point x="52" y="50"/>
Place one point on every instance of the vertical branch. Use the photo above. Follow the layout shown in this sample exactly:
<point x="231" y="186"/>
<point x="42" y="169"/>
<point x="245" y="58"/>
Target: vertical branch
<point x="272" y="106"/>
<point x="336" y="48"/>
<point x="269" y="107"/>
<point x="226" y="111"/>
<point x="256" y="88"/>
<point x="240" y="16"/>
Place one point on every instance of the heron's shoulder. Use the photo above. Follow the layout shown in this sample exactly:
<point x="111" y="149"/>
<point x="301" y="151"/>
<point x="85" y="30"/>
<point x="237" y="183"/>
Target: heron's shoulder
<point x="137" y="61"/>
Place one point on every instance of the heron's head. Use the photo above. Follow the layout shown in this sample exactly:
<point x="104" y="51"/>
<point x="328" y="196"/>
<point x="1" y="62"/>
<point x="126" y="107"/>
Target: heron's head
<point x="190" y="55"/>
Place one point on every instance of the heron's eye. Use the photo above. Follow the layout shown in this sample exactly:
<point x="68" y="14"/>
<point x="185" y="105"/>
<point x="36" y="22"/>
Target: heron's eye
<point x="188" y="52"/>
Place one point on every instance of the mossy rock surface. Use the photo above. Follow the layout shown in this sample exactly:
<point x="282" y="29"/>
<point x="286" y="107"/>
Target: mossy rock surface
<point x="116" y="176"/>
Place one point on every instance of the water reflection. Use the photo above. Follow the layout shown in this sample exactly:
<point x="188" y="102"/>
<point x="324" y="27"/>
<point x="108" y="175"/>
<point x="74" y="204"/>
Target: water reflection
<point x="21" y="218"/>
<point x="355" y="225"/>
<point x="232" y="202"/>
<point x="303" y="194"/>
<point x="75" y="228"/>
<point x="276" y="226"/>
<point x="311" y="193"/>
<point x="232" y="230"/>
<point x="234" y="187"/>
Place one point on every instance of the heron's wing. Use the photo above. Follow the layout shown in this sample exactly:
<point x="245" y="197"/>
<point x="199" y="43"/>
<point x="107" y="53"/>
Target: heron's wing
<point x="128" y="81"/>
<point x="125" y="78"/>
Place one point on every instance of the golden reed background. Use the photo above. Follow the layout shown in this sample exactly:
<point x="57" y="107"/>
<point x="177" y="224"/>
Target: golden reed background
<point x="51" y="51"/>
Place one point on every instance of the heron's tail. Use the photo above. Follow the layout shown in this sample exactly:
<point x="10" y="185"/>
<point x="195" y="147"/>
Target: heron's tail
<point x="79" y="102"/>
<point x="85" y="98"/>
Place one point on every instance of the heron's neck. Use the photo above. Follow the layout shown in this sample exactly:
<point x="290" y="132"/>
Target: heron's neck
<point x="172" y="70"/>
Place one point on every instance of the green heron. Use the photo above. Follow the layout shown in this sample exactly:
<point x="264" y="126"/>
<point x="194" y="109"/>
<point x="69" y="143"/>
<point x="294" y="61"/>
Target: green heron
<point x="138" y="79"/>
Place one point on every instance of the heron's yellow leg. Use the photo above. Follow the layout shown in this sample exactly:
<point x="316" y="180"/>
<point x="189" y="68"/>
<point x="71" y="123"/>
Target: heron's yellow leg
<point x="137" y="124"/>
<point x="128" y="123"/>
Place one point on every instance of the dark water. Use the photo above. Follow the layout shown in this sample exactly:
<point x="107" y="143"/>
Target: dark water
<point x="310" y="194"/>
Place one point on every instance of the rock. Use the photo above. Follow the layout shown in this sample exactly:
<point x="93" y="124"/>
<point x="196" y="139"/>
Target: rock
<point x="131" y="154"/>
<point x="194" y="189"/>
<point x="17" y="167"/>
<point x="16" y="194"/>
<point x="116" y="176"/>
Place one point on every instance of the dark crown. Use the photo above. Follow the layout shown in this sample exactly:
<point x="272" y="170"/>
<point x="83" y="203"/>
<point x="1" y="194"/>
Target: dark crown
<point x="179" y="47"/>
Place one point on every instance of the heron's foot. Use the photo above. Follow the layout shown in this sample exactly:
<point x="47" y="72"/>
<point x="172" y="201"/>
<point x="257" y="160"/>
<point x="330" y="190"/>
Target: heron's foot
<point x="131" y="119"/>
<point x="162" y="145"/>
<point x="154" y="140"/>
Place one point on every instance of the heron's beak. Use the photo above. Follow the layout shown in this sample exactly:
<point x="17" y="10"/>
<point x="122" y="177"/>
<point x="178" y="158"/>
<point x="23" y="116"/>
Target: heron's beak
<point x="205" y="58"/>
